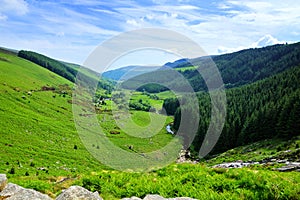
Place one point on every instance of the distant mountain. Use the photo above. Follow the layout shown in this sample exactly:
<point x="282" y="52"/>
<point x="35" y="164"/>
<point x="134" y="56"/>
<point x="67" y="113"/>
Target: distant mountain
<point x="177" y="63"/>
<point x="8" y="50"/>
<point x="237" y="69"/>
<point x="125" y="73"/>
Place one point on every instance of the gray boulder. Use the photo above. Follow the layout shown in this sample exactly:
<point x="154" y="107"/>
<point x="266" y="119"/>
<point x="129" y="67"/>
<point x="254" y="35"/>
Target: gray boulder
<point x="132" y="198"/>
<point x="15" y="192"/>
<point x="153" y="197"/>
<point x="3" y="181"/>
<point x="78" y="193"/>
<point x="157" y="197"/>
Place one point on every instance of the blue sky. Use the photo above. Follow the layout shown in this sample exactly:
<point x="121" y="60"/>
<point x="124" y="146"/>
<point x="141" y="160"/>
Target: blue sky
<point x="71" y="30"/>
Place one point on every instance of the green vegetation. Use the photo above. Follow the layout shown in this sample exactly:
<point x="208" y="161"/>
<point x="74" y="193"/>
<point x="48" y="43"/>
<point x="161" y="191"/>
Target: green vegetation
<point x="265" y="109"/>
<point x="281" y="149"/>
<point x="66" y="70"/>
<point x="196" y="181"/>
<point x="138" y="132"/>
<point x="246" y="66"/>
<point x="184" y="69"/>
<point x="237" y="69"/>
<point x="37" y="128"/>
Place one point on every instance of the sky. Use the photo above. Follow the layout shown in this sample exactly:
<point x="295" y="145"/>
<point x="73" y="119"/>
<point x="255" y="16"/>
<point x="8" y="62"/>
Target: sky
<point x="71" y="30"/>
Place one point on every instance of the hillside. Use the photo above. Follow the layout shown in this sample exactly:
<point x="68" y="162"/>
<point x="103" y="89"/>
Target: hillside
<point x="66" y="70"/>
<point x="125" y="73"/>
<point x="265" y="109"/>
<point x="38" y="137"/>
<point x="237" y="69"/>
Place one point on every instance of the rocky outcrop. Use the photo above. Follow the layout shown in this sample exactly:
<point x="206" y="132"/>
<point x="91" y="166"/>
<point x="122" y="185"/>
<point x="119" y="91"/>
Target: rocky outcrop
<point x="237" y="164"/>
<point x="293" y="166"/>
<point x="289" y="166"/>
<point x="185" y="157"/>
<point x="78" y="193"/>
<point x="14" y="192"/>
<point x="157" y="197"/>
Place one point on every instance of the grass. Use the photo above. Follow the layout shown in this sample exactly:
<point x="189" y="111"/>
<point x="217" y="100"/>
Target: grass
<point x="37" y="128"/>
<point x="267" y="149"/>
<point x="142" y="138"/>
<point x="196" y="181"/>
<point x="183" y="69"/>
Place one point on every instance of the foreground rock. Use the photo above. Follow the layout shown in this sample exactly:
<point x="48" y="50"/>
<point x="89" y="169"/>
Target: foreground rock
<point x="15" y="192"/>
<point x="3" y="181"/>
<point x="157" y="197"/>
<point x="12" y="191"/>
<point x="78" y="193"/>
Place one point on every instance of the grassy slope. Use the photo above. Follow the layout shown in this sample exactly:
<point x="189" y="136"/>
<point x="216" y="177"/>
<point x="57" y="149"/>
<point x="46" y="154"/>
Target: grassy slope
<point x="263" y="150"/>
<point x="37" y="130"/>
<point x="196" y="181"/>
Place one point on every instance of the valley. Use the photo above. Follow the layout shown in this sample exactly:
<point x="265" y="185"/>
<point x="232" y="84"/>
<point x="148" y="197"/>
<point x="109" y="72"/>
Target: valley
<point x="42" y="149"/>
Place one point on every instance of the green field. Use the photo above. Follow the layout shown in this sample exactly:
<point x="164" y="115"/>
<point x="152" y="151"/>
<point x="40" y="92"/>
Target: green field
<point x="183" y="69"/>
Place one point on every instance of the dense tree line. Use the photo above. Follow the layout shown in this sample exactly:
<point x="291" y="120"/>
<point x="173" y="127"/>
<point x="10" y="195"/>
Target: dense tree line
<point x="64" y="70"/>
<point x="265" y="109"/>
<point x="51" y="64"/>
<point x="247" y="66"/>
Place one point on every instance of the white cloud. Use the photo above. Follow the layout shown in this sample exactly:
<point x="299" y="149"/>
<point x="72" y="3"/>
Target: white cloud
<point x="3" y="17"/>
<point x="219" y="26"/>
<point x="18" y="7"/>
<point x="264" y="41"/>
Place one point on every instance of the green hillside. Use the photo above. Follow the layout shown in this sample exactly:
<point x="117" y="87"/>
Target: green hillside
<point x="236" y="69"/>
<point x="67" y="70"/>
<point x="265" y="109"/>
<point x="37" y="129"/>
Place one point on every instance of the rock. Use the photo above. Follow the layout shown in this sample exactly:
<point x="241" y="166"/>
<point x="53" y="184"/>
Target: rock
<point x="237" y="164"/>
<point x="3" y="181"/>
<point x="132" y="198"/>
<point x="15" y="192"/>
<point x="153" y="197"/>
<point x="289" y="167"/>
<point x="78" y="193"/>
<point x="157" y="197"/>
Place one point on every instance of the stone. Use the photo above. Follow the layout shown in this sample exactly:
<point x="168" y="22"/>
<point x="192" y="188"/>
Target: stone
<point x="3" y="181"/>
<point x="132" y="198"/>
<point x="158" y="197"/>
<point x="78" y="193"/>
<point x="153" y="197"/>
<point x="15" y="192"/>
<point x="292" y="166"/>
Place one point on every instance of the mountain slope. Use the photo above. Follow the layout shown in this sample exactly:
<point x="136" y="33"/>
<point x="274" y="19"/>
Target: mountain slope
<point x="66" y="70"/>
<point x="37" y="132"/>
<point x="268" y="108"/>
